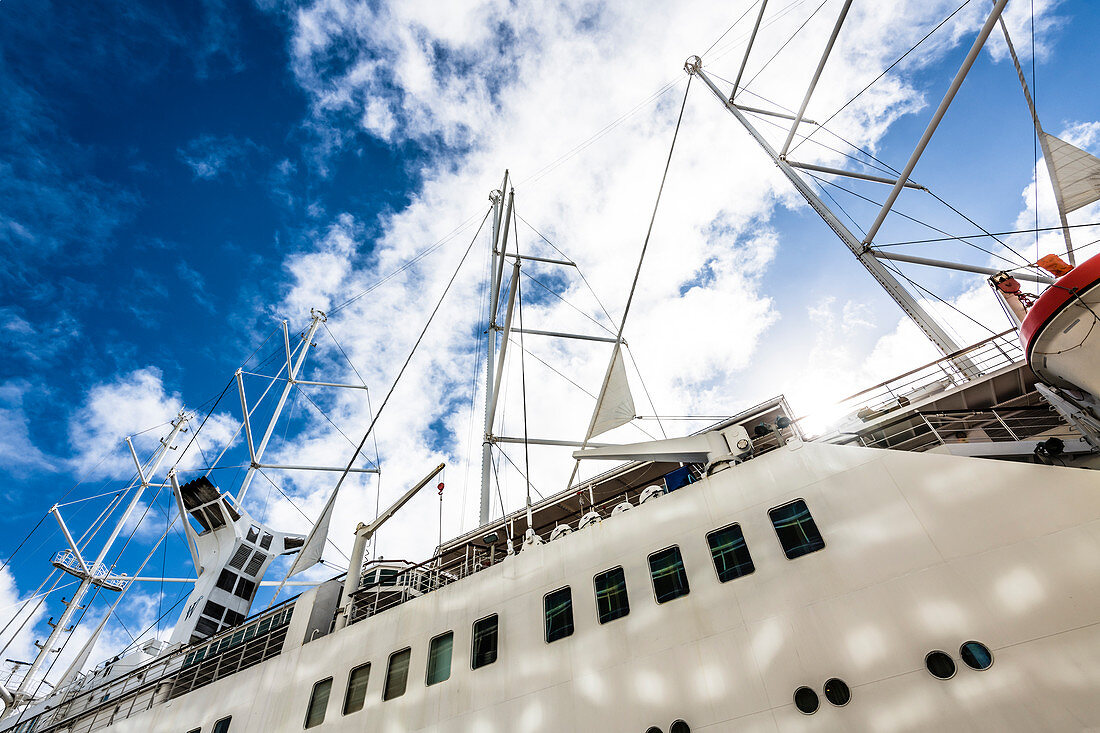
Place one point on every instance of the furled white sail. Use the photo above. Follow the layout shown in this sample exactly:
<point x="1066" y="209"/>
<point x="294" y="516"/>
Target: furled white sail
<point x="616" y="405"/>
<point x="1076" y="173"/>
<point x="310" y="554"/>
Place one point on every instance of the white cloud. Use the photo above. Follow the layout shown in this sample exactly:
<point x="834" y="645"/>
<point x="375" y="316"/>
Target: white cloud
<point x="136" y="404"/>
<point x="210" y="156"/>
<point x="488" y="85"/>
<point x="18" y="453"/>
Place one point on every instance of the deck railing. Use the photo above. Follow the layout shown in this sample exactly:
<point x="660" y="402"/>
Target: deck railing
<point x="993" y="354"/>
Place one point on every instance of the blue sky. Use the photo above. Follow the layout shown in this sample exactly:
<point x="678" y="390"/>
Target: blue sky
<point x="175" y="178"/>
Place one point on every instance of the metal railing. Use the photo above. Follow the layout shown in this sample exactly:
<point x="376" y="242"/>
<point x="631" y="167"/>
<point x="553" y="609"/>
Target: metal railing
<point x="439" y="572"/>
<point x="995" y="353"/>
<point x="168" y="677"/>
<point x="920" y="431"/>
<point x="99" y="574"/>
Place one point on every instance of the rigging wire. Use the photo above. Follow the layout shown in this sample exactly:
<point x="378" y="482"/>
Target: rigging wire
<point x="923" y="223"/>
<point x="638" y="270"/>
<point x="731" y="26"/>
<point x="523" y="374"/>
<point x="483" y="304"/>
<point x="991" y="234"/>
<point x="786" y="42"/>
<point x="416" y="258"/>
<point x="881" y="75"/>
<point x="899" y="273"/>
<point x="412" y="352"/>
<point x="1034" y="138"/>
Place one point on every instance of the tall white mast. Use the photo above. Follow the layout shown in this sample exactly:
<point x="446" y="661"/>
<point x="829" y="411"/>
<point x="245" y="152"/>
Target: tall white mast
<point x="862" y="248"/>
<point x="96" y="573"/>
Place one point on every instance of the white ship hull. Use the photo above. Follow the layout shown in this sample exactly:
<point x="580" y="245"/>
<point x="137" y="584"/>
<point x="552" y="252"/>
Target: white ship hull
<point x="923" y="552"/>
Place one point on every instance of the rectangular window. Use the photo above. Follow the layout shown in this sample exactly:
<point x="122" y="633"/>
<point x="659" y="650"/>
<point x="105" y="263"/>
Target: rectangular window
<point x="730" y="553"/>
<point x="397" y="674"/>
<point x="226" y="580"/>
<point x="245" y="589"/>
<point x="439" y="658"/>
<point x="611" y="600"/>
<point x="484" y="642"/>
<point x="559" y="614"/>
<point x="222" y="726"/>
<point x="796" y="529"/>
<point x="318" y="703"/>
<point x="357" y="689"/>
<point x="670" y="580"/>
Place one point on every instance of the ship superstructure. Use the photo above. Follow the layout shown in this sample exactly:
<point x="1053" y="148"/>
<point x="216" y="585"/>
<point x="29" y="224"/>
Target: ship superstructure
<point x="927" y="561"/>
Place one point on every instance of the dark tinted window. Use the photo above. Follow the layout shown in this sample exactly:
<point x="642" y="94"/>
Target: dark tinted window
<point x="397" y="675"/>
<point x="611" y="600"/>
<point x="245" y="588"/>
<point x="196" y="730"/>
<point x="730" y="553"/>
<point x="484" y="642"/>
<point x="940" y="665"/>
<point x="222" y="726"/>
<point x="357" y="689"/>
<point x="559" y="614"/>
<point x="796" y="529"/>
<point x="318" y="703"/>
<point x="439" y="658"/>
<point x="226" y="580"/>
<point x="679" y="727"/>
<point x="669" y="577"/>
<point x="806" y="700"/>
<point x="976" y="655"/>
<point x="837" y="692"/>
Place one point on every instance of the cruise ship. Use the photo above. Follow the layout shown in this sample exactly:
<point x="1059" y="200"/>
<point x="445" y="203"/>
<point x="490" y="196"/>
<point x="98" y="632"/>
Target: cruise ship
<point x="929" y="561"/>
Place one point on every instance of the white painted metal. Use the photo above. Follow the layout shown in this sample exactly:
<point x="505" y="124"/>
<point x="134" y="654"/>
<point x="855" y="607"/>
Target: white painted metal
<point x="748" y="49"/>
<point x="923" y="552"/>
<point x="94" y="573"/>
<point x="1066" y="351"/>
<point x="933" y="330"/>
<point x="937" y="116"/>
<point x="292" y="372"/>
<point x="944" y="264"/>
<point x="817" y="76"/>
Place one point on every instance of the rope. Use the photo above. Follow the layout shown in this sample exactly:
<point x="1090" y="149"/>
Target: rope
<point x="879" y="77"/>
<point x="522" y="368"/>
<point x="734" y="23"/>
<point x="786" y="42"/>
<point x="637" y="274"/>
<point x="401" y="372"/>
<point x="424" y="253"/>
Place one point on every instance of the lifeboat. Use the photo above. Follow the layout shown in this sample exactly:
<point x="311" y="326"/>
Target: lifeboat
<point x="1061" y="333"/>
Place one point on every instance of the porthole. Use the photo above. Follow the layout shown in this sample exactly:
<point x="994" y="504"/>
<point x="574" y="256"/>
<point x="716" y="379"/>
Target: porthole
<point x="653" y="729"/>
<point x="837" y="692"/>
<point x="976" y="655"/>
<point x="940" y="665"/>
<point x="806" y="700"/>
<point x="679" y="727"/>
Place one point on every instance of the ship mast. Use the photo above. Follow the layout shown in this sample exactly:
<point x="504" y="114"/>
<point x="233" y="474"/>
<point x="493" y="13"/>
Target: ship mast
<point x="862" y="248"/>
<point x="96" y="573"/>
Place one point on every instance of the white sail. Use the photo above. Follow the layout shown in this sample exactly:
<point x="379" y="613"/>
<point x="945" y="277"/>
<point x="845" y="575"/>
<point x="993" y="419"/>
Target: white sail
<point x="615" y="406"/>
<point x="1076" y="173"/>
<point x="310" y="554"/>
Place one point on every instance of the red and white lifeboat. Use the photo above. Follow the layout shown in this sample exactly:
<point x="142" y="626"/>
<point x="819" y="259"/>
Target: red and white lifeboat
<point x="1061" y="333"/>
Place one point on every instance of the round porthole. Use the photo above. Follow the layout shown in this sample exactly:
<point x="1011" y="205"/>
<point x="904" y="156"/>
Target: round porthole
<point x="653" y="729"/>
<point x="976" y="655"/>
<point x="806" y="700"/>
<point x="837" y="692"/>
<point x="940" y="665"/>
<point x="679" y="727"/>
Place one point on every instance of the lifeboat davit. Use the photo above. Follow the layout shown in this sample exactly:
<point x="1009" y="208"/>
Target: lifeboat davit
<point x="1061" y="333"/>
